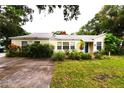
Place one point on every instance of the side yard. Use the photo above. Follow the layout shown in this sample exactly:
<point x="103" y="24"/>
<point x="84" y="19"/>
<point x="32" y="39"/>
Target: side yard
<point x="107" y="73"/>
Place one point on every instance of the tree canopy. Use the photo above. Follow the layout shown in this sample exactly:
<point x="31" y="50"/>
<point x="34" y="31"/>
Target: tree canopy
<point x="69" y="11"/>
<point x="109" y="19"/>
<point x="12" y="17"/>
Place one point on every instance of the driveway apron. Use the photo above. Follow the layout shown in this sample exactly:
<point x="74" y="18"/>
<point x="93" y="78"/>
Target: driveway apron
<point x="25" y="73"/>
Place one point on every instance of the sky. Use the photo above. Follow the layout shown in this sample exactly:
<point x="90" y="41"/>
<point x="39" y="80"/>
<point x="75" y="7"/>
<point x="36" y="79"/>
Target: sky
<point x="54" y="22"/>
<point x="47" y="23"/>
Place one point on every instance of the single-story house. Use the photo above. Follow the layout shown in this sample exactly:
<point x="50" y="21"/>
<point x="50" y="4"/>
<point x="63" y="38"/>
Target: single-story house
<point x="62" y="42"/>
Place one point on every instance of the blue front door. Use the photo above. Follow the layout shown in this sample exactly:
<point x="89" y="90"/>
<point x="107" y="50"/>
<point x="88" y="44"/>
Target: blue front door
<point x="86" y="47"/>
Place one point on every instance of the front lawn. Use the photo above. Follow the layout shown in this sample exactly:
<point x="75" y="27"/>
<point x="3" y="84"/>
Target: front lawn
<point x="89" y="73"/>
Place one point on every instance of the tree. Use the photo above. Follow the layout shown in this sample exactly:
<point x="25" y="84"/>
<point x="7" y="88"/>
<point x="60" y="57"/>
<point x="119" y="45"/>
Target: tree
<point x="12" y="17"/>
<point x="60" y="33"/>
<point x="11" y="20"/>
<point x="112" y="44"/>
<point x="110" y="19"/>
<point x="69" y="11"/>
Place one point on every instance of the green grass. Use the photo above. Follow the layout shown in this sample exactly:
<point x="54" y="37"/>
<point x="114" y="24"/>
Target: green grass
<point x="89" y="73"/>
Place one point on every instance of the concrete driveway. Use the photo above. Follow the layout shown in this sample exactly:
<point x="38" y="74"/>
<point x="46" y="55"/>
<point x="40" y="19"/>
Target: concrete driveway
<point x="2" y="54"/>
<point x="24" y="72"/>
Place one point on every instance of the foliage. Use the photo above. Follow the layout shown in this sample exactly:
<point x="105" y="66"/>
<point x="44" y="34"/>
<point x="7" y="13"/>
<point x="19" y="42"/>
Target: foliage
<point x="58" y="56"/>
<point x="40" y="50"/>
<point x="24" y="51"/>
<point x="86" y="56"/>
<point x="74" y="55"/>
<point x="112" y="44"/>
<point x="12" y="17"/>
<point x="35" y="51"/>
<point x="69" y="11"/>
<point x="12" y="50"/>
<point x="60" y="33"/>
<point x="109" y="19"/>
<point x="81" y="46"/>
<point x="121" y="51"/>
<point x="98" y="55"/>
<point x="107" y="73"/>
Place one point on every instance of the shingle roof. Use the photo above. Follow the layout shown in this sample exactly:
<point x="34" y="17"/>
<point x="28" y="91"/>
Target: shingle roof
<point x="34" y="36"/>
<point x="75" y="37"/>
<point x="58" y="37"/>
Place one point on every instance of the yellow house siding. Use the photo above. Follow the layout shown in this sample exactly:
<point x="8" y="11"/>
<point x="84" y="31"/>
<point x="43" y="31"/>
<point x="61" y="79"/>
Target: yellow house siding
<point x="54" y="43"/>
<point x="92" y="47"/>
<point x="19" y="42"/>
<point x="100" y="39"/>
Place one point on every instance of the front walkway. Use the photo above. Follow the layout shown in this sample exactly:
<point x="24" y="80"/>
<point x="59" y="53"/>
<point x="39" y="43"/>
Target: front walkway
<point x="23" y="72"/>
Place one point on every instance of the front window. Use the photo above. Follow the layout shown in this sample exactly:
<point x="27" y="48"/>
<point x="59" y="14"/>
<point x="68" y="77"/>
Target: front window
<point x="59" y="45"/>
<point x="99" y="45"/>
<point x="72" y="45"/>
<point x="24" y="43"/>
<point x="65" y="45"/>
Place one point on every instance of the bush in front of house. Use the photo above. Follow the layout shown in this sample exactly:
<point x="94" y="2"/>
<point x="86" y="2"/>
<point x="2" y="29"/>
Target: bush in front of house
<point x="98" y="55"/>
<point x="58" y="56"/>
<point x="12" y="51"/>
<point x="35" y="51"/>
<point x="40" y="50"/>
<point x="121" y="51"/>
<point x="85" y="56"/>
<point x="24" y="51"/>
<point x="74" y="55"/>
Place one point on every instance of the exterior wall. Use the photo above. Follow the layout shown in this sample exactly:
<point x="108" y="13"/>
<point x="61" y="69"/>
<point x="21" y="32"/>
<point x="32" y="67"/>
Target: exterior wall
<point x="92" y="46"/>
<point x="54" y="43"/>
<point x="100" y="39"/>
<point x="19" y="42"/>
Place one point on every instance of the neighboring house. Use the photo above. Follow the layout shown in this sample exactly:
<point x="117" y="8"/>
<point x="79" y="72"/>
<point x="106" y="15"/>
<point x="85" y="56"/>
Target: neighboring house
<point x="62" y="42"/>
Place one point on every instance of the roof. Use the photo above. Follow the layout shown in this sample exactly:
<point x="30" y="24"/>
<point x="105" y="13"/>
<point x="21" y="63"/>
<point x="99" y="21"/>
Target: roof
<point x="34" y="36"/>
<point x="76" y="37"/>
<point x="58" y="37"/>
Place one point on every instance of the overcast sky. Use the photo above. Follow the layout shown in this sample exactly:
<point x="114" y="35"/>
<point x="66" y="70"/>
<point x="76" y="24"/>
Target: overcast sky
<point x="55" y="22"/>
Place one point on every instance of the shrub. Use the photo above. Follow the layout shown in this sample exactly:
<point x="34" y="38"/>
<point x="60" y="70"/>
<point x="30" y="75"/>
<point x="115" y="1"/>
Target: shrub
<point x="112" y="44"/>
<point x="98" y="55"/>
<point x="24" y="52"/>
<point x="58" y="56"/>
<point x="86" y="56"/>
<point x="40" y="50"/>
<point x="12" y="51"/>
<point x="106" y="57"/>
<point x="35" y="50"/>
<point x="121" y="51"/>
<point x="74" y="55"/>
